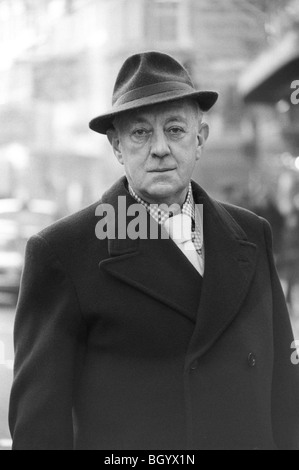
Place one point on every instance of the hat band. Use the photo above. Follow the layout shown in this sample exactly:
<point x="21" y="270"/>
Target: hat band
<point x="155" y="89"/>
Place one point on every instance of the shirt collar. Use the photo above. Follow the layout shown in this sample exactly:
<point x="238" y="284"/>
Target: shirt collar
<point x="159" y="214"/>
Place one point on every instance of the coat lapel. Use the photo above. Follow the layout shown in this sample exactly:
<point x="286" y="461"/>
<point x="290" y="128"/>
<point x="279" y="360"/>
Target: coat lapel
<point x="158" y="269"/>
<point x="230" y="263"/>
<point x="155" y="267"/>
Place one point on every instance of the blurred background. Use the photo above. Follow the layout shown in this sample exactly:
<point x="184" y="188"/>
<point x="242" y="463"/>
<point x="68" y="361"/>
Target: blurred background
<point x="59" y="61"/>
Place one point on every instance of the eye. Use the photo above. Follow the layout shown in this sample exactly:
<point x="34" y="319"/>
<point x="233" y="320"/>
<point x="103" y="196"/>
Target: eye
<point x="139" y="133"/>
<point x="176" y="131"/>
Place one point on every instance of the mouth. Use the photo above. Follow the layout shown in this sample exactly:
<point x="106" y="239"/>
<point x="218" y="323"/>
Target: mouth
<point x="162" y="170"/>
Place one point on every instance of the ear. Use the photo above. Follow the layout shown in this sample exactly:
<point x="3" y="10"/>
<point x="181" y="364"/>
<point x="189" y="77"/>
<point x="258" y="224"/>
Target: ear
<point x="202" y="137"/>
<point x="113" y="137"/>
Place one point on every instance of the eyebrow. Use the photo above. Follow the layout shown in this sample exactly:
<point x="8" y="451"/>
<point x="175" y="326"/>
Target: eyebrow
<point x="174" y="118"/>
<point x="177" y="118"/>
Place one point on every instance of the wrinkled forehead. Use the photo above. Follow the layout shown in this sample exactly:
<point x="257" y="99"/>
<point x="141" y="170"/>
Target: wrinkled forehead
<point x="183" y="107"/>
<point x="185" y="110"/>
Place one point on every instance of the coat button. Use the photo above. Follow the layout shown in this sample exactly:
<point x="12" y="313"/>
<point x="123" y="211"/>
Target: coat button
<point x="194" y="365"/>
<point x="251" y="360"/>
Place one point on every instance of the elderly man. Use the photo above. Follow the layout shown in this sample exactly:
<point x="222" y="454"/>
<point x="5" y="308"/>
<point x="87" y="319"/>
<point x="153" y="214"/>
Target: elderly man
<point x="154" y="342"/>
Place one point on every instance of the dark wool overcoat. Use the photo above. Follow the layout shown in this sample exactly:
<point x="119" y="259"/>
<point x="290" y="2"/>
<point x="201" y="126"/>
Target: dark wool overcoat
<point x="121" y="345"/>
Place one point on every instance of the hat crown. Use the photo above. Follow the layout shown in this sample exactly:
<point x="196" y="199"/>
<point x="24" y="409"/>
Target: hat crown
<point x="148" y="69"/>
<point x="148" y="79"/>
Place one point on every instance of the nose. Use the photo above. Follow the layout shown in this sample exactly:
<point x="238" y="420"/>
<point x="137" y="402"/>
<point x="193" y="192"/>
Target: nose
<point x="159" y="144"/>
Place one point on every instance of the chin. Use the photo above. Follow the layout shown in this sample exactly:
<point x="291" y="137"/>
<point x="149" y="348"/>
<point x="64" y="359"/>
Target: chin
<point x="162" y="190"/>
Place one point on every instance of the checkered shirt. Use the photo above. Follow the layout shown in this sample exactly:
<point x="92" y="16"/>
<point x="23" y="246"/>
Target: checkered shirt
<point x="160" y="216"/>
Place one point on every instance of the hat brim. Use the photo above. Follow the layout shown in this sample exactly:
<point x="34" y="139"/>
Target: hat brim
<point x="205" y="100"/>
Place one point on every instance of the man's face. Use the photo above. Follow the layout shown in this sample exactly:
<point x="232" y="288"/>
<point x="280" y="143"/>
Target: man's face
<point x="159" y="147"/>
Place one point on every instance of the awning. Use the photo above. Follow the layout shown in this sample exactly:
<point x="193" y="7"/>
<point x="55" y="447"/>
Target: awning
<point x="269" y="78"/>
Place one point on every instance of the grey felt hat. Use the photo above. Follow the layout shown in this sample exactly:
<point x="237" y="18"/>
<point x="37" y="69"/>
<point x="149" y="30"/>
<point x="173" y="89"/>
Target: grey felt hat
<point x="151" y="78"/>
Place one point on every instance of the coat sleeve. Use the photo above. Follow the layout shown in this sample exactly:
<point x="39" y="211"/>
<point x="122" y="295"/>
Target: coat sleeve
<point x="285" y="389"/>
<point x="48" y="339"/>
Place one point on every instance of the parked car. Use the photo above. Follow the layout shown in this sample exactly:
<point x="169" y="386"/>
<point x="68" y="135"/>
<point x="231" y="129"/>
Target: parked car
<point x="11" y="260"/>
<point x="18" y="222"/>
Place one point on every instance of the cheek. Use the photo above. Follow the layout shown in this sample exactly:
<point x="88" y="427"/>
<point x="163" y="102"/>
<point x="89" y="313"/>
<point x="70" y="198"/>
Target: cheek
<point x="134" y="158"/>
<point x="186" y="153"/>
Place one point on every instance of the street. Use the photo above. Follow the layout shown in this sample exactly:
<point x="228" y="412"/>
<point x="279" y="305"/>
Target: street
<point x="6" y="358"/>
<point x="6" y="361"/>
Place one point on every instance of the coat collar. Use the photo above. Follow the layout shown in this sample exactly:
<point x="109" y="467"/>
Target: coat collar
<point x="161" y="271"/>
<point x="155" y="267"/>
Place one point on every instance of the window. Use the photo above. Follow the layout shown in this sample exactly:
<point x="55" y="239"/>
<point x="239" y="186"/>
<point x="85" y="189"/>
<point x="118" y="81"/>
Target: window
<point x="162" y="20"/>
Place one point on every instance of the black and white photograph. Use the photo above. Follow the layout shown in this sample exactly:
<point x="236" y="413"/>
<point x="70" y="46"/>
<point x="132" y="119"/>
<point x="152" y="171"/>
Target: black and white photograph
<point x="149" y="227"/>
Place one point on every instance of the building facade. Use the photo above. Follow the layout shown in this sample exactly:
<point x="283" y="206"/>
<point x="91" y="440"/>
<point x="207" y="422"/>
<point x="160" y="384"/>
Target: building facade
<point x="270" y="88"/>
<point x="62" y="60"/>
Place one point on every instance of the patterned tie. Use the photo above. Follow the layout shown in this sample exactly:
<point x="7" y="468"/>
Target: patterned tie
<point x="179" y="228"/>
<point x="195" y="221"/>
